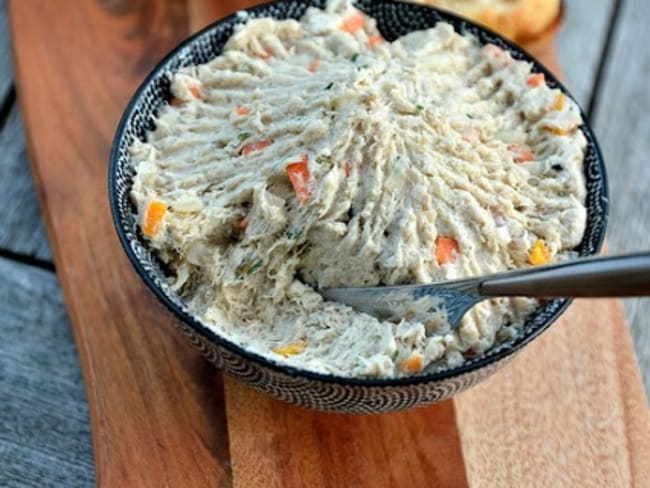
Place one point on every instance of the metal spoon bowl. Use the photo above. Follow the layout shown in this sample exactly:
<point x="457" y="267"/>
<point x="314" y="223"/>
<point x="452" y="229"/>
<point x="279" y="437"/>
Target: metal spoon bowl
<point x="613" y="276"/>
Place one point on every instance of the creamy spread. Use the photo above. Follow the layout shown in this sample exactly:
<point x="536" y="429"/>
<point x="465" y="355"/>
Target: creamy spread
<point x="315" y="154"/>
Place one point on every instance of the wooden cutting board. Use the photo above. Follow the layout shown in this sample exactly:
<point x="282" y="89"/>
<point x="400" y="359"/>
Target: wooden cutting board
<point x="569" y="411"/>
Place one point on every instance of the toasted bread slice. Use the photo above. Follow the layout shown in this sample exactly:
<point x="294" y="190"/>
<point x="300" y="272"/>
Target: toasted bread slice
<point x="518" y="20"/>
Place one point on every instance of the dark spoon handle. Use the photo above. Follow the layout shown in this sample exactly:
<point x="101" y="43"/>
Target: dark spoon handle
<point x="616" y="276"/>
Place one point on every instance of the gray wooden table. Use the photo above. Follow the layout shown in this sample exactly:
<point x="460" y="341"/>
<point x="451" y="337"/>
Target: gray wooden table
<point x="44" y="426"/>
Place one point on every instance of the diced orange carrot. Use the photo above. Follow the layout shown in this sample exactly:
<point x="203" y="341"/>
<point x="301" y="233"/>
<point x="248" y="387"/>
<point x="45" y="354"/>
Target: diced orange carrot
<point x="255" y="146"/>
<point x="195" y="90"/>
<point x="559" y="102"/>
<point x="447" y="249"/>
<point x="291" y="349"/>
<point x="470" y="135"/>
<point x="313" y="65"/>
<point x="412" y="364"/>
<point x="298" y="173"/>
<point x="153" y="217"/>
<point x="265" y="54"/>
<point x="175" y="102"/>
<point x="374" y="40"/>
<point x="493" y="50"/>
<point x="348" y="169"/>
<point x="539" y="254"/>
<point x="241" y="223"/>
<point x="353" y="22"/>
<point x="536" y="79"/>
<point x="243" y="110"/>
<point x="520" y="154"/>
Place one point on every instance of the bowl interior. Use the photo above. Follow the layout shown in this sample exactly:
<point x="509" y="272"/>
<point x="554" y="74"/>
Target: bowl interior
<point x="394" y="19"/>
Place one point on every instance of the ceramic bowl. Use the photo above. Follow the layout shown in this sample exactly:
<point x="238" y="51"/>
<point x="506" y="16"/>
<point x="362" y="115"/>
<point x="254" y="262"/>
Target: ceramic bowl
<point x="322" y="391"/>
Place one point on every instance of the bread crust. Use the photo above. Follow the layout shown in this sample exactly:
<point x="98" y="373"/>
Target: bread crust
<point x="518" y="20"/>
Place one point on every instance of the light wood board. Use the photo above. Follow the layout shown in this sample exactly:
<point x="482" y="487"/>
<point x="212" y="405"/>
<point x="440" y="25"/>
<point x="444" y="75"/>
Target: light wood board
<point x="278" y="445"/>
<point x="568" y="411"/>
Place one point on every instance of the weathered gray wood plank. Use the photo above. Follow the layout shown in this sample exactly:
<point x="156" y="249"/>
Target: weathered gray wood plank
<point x="44" y="426"/>
<point x="580" y="43"/>
<point x="21" y="230"/>
<point x="623" y="126"/>
<point x="5" y="55"/>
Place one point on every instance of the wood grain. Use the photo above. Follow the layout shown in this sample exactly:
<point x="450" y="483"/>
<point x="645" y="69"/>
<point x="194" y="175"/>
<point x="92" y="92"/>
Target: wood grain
<point x="623" y="126"/>
<point x="278" y="445"/>
<point x="568" y="411"/>
<point x="156" y="406"/>
<point x="44" y="426"/>
<point x="21" y="230"/>
<point x="6" y="74"/>
<point x="580" y="44"/>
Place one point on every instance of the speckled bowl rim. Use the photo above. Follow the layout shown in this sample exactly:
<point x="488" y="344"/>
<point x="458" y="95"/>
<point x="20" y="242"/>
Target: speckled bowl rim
<point x="491" y="356"/>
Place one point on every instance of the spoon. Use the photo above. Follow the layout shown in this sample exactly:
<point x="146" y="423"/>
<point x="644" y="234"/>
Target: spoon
<point x="613" y="276"/>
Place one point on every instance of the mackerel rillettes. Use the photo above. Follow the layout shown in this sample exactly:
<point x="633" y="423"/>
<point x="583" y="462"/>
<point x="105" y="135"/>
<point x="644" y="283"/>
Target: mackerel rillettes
<point x="315" y="154"/>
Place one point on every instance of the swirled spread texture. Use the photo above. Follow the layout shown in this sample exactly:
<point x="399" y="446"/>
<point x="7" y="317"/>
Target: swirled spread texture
<point x="315" y="154"/>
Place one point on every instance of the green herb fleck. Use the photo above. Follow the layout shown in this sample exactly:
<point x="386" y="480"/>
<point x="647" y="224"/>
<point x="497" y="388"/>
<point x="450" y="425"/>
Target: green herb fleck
<point x="395" y="354"/>
<point x="322" y="159"/>
<point x="248" y="266"/>
<point x="470" y="116"/>
<point x="243" y="136"/>
<point x="329" y="86"/>
<point x="354" y="57"/>
<point x="419" y="108"/>
<point x="256" y="265"/>
<point x="294" y="233"/>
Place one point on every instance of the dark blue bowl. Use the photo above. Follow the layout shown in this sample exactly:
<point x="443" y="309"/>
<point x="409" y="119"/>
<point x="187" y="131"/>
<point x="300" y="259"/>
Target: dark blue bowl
<point x="321" y="391"/>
